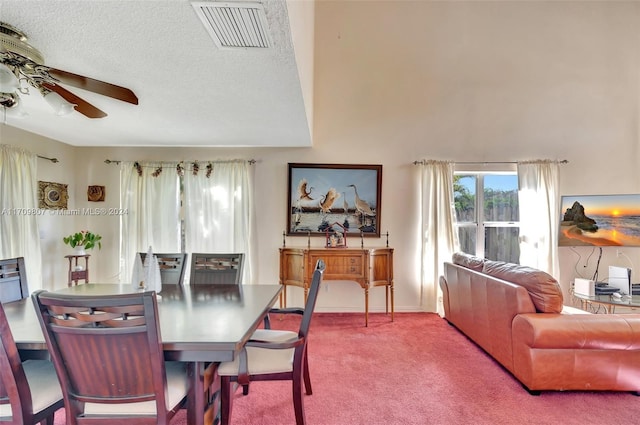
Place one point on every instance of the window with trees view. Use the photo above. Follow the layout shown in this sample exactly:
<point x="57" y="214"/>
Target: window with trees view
<point x="487" y="215"/>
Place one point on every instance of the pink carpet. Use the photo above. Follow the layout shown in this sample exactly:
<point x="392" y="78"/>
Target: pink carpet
<point x="416" y="370"/>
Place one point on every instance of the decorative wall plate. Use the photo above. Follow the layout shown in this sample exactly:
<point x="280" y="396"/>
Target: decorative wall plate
<point x="52" y="196"/>
<point x="96" y="193"/>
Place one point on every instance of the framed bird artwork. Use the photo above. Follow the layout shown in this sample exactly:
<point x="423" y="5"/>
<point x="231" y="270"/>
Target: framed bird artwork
<point x="321" y="194"/>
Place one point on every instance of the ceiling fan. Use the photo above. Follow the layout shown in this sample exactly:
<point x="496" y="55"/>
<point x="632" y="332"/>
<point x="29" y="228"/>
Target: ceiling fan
<point x="21" y="67"/>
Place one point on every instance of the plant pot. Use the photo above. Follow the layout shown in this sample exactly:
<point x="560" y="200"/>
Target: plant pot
<point x="79" y="250"/>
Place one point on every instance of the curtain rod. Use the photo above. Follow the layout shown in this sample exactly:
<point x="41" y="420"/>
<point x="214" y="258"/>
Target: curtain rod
<point x="54" y="160"/>
<point x="117" y="161"/>
<point x="423" y="161"/>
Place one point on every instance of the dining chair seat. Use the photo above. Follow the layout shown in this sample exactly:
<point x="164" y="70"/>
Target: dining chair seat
<point x="41" y="375"/>
<point x="262" y="361"/>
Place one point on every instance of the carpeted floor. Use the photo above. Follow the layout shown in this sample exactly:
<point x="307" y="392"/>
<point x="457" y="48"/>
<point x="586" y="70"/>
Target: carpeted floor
<point x="416" y="370"/>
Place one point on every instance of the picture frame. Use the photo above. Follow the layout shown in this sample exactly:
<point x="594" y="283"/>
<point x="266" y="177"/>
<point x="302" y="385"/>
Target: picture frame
<point x="52" y="196"/>
<point x="599" y="220"/>
<point x="321" y="194"/>
<point x="96" y="193"/>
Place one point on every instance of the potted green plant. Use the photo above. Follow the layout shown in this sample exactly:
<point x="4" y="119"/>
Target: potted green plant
<point x="83" y="240"/>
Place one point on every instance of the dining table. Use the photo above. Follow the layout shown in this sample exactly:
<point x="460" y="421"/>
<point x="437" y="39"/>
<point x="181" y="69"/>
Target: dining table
<point x="199" y="324"/>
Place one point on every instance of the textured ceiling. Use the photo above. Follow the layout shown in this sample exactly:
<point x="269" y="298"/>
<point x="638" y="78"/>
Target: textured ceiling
<point x="190" y="92"/>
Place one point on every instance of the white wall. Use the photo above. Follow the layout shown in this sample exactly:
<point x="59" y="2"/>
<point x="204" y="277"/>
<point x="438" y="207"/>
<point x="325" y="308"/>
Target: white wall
<point x="400" y="81"/>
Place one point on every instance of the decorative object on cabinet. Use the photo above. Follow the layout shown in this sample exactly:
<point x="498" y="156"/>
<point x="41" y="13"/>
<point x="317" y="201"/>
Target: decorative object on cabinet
<point x="369" y="267"/>
<point x="96" y="193"/>
<point x="320" y="194"/>
<point x="336" y="236"/>
<point x="52" y="196"/>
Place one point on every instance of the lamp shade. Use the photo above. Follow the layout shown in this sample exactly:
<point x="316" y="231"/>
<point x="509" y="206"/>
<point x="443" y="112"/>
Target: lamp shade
<point x="9" y="100"/>
<point x="58" y="103"/>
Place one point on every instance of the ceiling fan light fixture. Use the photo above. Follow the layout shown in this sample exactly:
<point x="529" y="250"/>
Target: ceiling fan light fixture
<point x="11" y="106"/>
<point x="58" y="103"/>
<point x="9" y="100"/>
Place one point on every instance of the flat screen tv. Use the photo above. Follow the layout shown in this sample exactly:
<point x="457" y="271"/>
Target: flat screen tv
<point x="600" y="220"/>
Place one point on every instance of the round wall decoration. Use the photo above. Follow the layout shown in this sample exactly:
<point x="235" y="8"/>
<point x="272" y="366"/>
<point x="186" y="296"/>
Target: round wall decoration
<point x="52" y="196"/>
<point x="95" y="193"/>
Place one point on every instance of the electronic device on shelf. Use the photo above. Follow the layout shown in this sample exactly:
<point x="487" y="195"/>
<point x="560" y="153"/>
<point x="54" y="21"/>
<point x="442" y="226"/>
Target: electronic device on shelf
<point x="620" y="278"/>
<point x="605" y="289"/>
<point x="583" y="286"/>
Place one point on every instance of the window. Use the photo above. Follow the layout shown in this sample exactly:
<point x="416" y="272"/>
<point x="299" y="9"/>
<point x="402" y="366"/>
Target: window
<point x="487" y="217"/>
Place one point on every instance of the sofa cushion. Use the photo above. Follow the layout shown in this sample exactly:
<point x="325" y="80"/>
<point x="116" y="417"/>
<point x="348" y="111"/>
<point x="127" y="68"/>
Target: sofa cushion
<point x="543" y="289"/>
<point x="467" y="260"/>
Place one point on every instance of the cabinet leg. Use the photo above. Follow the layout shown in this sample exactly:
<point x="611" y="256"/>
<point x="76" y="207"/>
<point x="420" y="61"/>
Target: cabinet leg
<point x="366" y="307"/>
<point x="392" y="302"/>
<point x="283" y="297"/>
<point x="386" y="300"/>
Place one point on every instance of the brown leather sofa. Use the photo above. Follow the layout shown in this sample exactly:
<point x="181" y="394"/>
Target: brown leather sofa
<point x="516" y="315"/>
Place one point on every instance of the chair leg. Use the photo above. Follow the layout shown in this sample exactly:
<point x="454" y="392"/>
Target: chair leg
<point x="49" y="420"/>
<point x="307" y="377"/>
<point x="298" y="401"/>
<point x="226" y="400"/>
<point x="245" y="389"/>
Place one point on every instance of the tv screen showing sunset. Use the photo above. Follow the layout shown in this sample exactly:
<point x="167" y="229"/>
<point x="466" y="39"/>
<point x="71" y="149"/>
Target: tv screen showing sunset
<point x="600" y="220"/>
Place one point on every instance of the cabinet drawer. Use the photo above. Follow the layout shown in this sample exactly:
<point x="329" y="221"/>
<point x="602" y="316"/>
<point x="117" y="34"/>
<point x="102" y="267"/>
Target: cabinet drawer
<point x="343" y="266"/>
<point x="353" y="265"/>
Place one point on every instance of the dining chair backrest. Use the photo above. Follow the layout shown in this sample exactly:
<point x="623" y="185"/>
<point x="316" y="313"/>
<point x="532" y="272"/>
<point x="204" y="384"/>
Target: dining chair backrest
<point x="20" y="405"/>
<point x="13" y="280"/>
<point x="108" y="355"/>
<point x="172" y="266"/>
<point x="216" y="268"/>
<point x="305" y="323"/>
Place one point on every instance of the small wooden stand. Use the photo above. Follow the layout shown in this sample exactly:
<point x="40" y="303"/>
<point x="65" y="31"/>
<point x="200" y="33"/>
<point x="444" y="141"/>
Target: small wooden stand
<point x="76" y="275"/>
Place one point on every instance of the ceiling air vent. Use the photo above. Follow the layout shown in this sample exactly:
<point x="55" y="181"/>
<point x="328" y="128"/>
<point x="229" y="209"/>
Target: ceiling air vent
<point x="234" y="25"/>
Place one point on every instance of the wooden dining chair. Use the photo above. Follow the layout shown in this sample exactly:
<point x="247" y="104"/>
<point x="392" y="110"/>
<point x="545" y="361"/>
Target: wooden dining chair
<point x="13" y="280"/>
<point x="29" y="391"/>
<point x="172" y="266"/>
<point x="272" y="355"/>
<point x="216" y="268"/>
<point x="107" y="352"/>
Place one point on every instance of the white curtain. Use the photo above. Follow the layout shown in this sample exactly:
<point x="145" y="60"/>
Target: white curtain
<point x="219" y="212"/>
<point x="19" y="234"/>
<point x="440" y="238"/>
<point x="150" y="192"/>
<point x="538" y="196"/>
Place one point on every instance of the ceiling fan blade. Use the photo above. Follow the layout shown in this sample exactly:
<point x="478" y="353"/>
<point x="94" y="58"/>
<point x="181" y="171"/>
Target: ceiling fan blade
<point x="81" y="105"/>
<point x="96" y="86"/>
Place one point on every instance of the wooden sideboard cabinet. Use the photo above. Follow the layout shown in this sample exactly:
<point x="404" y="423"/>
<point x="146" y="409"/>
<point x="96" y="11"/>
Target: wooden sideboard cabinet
<point x="369" y="267"/>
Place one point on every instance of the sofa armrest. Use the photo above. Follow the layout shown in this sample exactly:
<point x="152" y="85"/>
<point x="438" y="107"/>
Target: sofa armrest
<point x="584" y="331"/>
